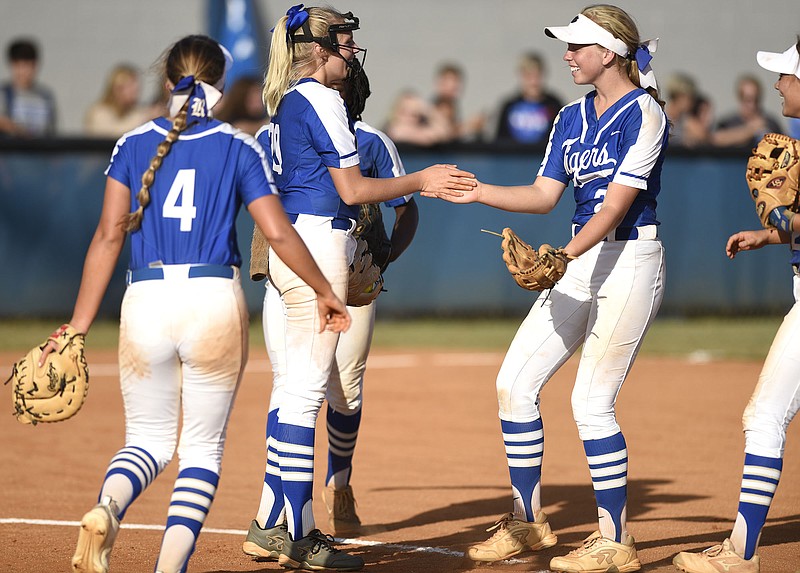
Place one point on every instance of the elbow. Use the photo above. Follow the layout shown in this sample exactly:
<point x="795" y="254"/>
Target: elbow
<point x="350" y="196"/>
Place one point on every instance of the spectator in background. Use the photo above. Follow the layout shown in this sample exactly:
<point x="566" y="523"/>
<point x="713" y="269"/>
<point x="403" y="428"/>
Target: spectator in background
<point x="242" y="106"/>
<point x="413" y="120"/>
<point x="448" y="90"/>
<point x="528" y="116"/>
<point x="27" y="109"/>
<point x="681" y="98"/>
<point x="118" y="110"/>
<point x="700" y="122"/>
<point x="749" y="124"/>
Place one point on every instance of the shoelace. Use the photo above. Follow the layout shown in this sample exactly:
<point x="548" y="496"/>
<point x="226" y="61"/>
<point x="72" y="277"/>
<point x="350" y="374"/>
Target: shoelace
<point x="322" y="541"/>
<point x="713" y="551"/>
<point x="586" y="547"/>
<point x="500" y="525"/>
<point x="342" y="502"/>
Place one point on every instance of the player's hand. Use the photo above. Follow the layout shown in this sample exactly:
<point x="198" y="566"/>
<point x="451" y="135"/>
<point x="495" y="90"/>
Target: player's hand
<point x="446" y="179"/>
<point x="333" y="315"/>
<point x="457" y="196"/>
<point x="746" y="241"/>
<point x="49" y="348"/>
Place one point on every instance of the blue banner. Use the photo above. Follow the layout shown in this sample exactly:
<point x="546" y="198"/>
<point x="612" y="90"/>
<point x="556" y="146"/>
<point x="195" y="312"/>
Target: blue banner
<point x="236" y="25"/>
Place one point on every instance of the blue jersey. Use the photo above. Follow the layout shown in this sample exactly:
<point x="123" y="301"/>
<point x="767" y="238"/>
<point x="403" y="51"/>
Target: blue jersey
<point x="308" y="134"/>
<point x="205" y="178"/>
<point x="378" y="157"/>
<point x="626" y="145"/>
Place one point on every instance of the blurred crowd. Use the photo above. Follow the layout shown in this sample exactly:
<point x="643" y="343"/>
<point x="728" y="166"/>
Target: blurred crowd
<point x="28" y="109"/>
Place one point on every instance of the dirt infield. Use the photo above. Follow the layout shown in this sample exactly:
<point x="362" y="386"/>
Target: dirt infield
<point x="430" y="471"/>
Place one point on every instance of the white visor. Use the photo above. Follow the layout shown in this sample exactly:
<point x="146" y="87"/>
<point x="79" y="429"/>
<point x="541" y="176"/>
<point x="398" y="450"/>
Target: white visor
<point x="786" y="63"/>
<point x="585" y="31"/>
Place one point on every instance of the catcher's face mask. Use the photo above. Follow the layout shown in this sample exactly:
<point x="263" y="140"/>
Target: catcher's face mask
<point x="339" y="39"/>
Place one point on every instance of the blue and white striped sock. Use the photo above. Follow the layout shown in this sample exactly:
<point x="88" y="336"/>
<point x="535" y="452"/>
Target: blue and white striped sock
<point x="295" y="448"/>
<point x="342" y="436"/>
<point x="524" y="442"/>
<point x="608" y="465"/>
<point x="270" y="509"/>
<point x="759" y="480"/>
<point x="191" y="499"/>
<point x="129" y="473"/>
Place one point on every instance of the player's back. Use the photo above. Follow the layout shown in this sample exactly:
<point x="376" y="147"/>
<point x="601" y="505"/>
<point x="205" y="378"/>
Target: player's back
<point x="196" y="193"/>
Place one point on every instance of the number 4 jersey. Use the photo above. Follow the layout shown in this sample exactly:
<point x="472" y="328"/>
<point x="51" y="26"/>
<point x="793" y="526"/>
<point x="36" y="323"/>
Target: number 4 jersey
<point x="207" y="175"/>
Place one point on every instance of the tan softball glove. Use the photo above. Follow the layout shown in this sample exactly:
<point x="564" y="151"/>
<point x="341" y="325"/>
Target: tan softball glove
<point x="533" y="269"/>
<point x="366" y="281"/>
<point x="56" y="391"/>
<point x="773" y="172"/>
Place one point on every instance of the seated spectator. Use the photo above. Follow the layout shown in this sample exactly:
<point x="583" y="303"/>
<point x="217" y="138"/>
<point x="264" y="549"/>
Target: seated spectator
<point x="699" y="123"/>
<point x="242" y="105"/>
<point x="527" y="117"/>
<point x="415" y="121"/>
<point x="118" y="110"/>
<point x="748" y="125"/>
<point x="448" y="91"/>
<point x="681" y="93"/>
<point x="27" y="109"/>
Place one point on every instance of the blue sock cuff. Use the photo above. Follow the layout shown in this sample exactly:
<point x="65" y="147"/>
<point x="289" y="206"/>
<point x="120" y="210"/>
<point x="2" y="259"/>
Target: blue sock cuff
<point x="294" y="434"/>
<point x="763" y="461"/>
<point x="344" y="423"/>
<point x="520" y="427"/>
<point x="607" y="445"/>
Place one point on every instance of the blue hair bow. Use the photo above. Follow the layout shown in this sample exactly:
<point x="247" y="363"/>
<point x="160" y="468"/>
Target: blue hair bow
<point x="296" y="17"/>
<point x="643" y="57"/>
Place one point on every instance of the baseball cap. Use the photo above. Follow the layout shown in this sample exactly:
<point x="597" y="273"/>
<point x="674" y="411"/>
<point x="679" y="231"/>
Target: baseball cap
<point x="583" y="30"/>
<point x="786" y="63"/>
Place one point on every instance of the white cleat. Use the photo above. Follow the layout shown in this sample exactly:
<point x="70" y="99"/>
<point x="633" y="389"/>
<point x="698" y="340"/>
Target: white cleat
<point x="99" y="529"/>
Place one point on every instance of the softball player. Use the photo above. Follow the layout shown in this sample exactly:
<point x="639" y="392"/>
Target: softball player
<point x="378" y="157"/>
<point x="316" y="167"/>
<point x="776" y="399"/>
<point x="610" y="144"/>
<point x="176" y="184"/>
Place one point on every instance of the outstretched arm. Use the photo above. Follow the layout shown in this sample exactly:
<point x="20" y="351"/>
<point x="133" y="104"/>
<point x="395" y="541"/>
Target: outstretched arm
<point x="355" y="189"/>
<point x="269" y="215"/>
<point x="540" y="197"/>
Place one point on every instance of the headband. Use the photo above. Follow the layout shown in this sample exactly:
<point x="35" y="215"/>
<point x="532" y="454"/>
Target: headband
<point x="585" y="31"/>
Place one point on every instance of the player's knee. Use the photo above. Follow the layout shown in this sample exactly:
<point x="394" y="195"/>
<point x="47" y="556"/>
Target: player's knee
<point x="347" y="405"/>
<point x="512" y="405"/>
<point x="763" y="438"/>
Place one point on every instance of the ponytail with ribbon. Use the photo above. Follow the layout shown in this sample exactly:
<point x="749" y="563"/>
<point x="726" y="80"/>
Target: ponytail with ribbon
<point x="296" y="17"/>
<point x="642" y="56"/>
<point x="201" y="98"/>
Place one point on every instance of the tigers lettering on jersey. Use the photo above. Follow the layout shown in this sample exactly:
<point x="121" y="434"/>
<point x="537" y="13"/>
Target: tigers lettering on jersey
<point x="192" y="211"/>
<point x="626" y="145"/>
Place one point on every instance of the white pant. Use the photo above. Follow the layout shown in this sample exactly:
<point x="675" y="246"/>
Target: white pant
<point x="307" y="355"/>
<point x="346" y="381"/>
<point x="776" y="398"/>
<point x="605" y="301"/>
<point x="183" y="342"/>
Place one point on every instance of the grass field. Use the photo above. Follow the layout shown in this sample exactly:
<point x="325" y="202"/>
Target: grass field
<point x="701" y="338"/>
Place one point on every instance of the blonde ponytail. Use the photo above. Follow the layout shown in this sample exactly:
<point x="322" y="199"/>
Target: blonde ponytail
<point x="290" y="61"/>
